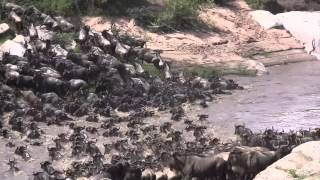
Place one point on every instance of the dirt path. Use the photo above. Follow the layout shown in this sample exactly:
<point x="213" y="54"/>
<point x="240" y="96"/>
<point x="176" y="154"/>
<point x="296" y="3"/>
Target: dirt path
<point x="232" y="43"/>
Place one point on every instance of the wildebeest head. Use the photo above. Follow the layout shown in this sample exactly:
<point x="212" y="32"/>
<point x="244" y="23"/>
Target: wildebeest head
<point x="283" y="151"/>
<point x="238" y="128"/>
<point x="242" y="130"/>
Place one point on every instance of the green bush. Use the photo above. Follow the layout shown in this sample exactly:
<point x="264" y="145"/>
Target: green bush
<point x="181" y="13"/>
<point x="61" y="7"/>
<point x="203" y="71"/>
<point x="4" y="38"/>
<point x="177" y="13"/>
<point x="257" y="4"/>
<point x="151" y="69"/>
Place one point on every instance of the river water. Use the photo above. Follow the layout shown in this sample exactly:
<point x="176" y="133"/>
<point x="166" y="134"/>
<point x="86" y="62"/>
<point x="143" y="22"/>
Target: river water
<point x="287" y="98"/>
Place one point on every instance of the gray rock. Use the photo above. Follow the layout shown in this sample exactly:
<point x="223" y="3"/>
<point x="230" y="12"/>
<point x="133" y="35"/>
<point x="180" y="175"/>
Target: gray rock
<point x="13" y="48"/>
<point x="302" y="163"/>
<point x="4" y="28"/>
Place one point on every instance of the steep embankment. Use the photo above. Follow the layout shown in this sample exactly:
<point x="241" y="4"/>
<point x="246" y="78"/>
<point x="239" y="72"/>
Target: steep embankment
<point x="232" y="43"/>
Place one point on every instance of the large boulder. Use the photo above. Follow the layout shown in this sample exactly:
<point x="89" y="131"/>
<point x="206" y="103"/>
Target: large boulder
<point x="302" y="163"/>
<point x="266" y="19"/>
<point x="304" y="26"/>
<point x="12" y="47"/>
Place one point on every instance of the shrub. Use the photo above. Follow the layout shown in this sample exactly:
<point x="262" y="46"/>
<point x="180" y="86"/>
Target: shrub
<point x="151" y="69"/>
<point x="61" y="7"/>
<point x="203" y="71"/>
<point x="257" y="4"/>
<point x="4" y="38"/>
<point x="179" y="13"/>
<point x="270" y="5"/>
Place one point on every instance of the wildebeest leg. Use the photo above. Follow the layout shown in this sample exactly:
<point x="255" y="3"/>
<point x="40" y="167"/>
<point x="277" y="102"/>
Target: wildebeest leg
<point x="187" y="172"/>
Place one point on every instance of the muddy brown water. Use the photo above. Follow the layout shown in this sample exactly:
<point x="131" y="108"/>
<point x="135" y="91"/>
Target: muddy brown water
<point x="287" y="98"/>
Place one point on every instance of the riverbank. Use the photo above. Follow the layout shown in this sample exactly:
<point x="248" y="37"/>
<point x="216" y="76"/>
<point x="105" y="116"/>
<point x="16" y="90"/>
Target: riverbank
<point x="233" y="43"/>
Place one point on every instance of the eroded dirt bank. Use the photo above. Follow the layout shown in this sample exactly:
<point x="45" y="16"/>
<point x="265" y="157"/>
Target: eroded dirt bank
<point x="230" y="44"/>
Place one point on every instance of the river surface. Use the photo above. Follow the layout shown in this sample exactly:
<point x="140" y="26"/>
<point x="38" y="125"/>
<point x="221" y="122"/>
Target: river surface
<point x="287" y="98"/>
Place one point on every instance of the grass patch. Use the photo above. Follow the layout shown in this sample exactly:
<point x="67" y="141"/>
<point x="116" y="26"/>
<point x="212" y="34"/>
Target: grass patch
<point x="245" y="72"/>
<point x="210" y="71"/>
<point x="203" y="71"/>
<point x="294" y="174"/>
<point x="175" y="15"/>
<point x="60" y="7"/>
<point x="181" y="14"/>
<point x="5" y="38"/>
<point x="77" y="49"/>
<point x="64" y="38"/>
<point x="151" y="69"/>
<point x="257" y="4"/>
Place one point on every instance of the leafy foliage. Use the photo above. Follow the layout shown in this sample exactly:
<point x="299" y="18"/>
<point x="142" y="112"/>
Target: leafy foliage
<point x="4" y="38"/>
<point x="151" y="69"/>
<point x="257" y="4"/>
<point x="177" y="14"/>
<point x="203" y="71"/>
<point x="61" y="7"/>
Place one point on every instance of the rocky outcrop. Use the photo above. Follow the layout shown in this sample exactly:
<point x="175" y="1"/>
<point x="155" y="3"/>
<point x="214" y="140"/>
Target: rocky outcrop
<point x="302" y="163"/>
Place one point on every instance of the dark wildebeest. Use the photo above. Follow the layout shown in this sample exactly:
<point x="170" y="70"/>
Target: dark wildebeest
<point x="193" y="166"/>
<point x="246" y="162"/>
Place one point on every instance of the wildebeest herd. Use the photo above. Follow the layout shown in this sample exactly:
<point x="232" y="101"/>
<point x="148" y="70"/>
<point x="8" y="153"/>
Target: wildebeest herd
<point x="100" y="101"/>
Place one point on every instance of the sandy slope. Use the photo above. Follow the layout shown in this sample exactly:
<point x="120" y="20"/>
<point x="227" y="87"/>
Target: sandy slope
<point x="232" y="40"/>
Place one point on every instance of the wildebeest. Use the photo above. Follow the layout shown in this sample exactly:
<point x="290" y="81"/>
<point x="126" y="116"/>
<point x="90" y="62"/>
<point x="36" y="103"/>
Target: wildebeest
<point x="123" y="171"/>
<point x="246" y="162"/>
<point x="50" y="84"/>
<point x="194" y="166"/>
